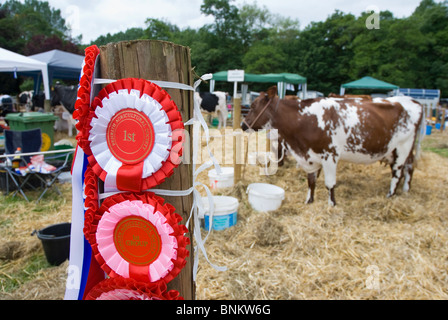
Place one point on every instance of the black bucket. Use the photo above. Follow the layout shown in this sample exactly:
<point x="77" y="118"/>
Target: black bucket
<point x="56" y="242"/>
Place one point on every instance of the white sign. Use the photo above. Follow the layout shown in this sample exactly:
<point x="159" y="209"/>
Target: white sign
<point x="235" y="76"/>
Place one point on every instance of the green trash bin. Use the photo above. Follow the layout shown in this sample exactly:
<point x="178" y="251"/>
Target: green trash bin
<point x="32" y="120"/>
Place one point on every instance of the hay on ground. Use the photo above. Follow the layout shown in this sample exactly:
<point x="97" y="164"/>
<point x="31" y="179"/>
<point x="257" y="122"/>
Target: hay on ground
<point x="367" y="247"/>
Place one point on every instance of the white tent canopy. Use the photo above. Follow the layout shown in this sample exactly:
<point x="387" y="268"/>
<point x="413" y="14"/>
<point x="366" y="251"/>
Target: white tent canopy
<point x="14" y="62"/>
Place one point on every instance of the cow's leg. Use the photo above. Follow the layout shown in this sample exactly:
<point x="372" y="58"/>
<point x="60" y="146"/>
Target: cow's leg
<point x="312" y="177"/>
<point x="329" y="168"/>
<point x="224" y="116"/>
<point x="221" y="119"/>
<point x="408" y="172"/>
<point x="397" y="173"/>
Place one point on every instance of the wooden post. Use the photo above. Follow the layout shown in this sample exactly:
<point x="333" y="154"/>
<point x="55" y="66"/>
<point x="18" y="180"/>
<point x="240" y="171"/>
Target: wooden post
<point x="237" y="140"/>
<point x="163" y="61"/>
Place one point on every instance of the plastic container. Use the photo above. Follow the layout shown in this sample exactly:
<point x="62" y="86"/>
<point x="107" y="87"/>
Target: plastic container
<point x="265" y="197"/>
<point x="223" y="180"/>
<point x="32" y="120"/>
<point x="225" y="214"/>
<point x="56" y="242"/>
<point x="428" y="130"/>
<point x="16" y="159"/>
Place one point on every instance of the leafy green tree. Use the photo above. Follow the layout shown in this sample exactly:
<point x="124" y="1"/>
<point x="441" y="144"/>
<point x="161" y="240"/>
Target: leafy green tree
<point x="26" y="22"/>
<point x="129" y="34"/>
<point x="160" y="30"/>
<point x="432" y="19"/>
<point x="409" y="52"/>
<point x="222" y="38"/>
<point x="263" y="58"/>
<point x="325" y="51"/>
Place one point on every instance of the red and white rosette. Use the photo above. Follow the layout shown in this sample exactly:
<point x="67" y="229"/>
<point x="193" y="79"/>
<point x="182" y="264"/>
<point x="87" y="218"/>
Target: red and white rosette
<point x="129" y="289"/>
<point x="135" y="235"/>
<point x="135" y="135"/>
<point x="91" y="202"/>
<point x="84" y="95"/>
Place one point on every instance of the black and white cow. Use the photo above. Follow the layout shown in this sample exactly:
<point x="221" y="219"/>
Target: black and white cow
<point x="213" y="102"/>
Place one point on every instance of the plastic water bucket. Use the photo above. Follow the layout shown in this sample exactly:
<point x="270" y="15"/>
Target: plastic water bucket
<point x="56" y="242"/>
<point x="428" y="130"/>
<point x="223" y="180"/>
<point x="225" y="214"/>
<point x="265" y="197"/>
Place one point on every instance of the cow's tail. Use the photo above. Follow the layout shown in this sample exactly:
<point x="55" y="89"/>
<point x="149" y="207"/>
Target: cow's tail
<point x="419" y="135"/>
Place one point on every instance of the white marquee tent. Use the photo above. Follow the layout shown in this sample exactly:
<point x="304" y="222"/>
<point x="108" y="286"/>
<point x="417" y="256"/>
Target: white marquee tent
<point x="14" y="62"/>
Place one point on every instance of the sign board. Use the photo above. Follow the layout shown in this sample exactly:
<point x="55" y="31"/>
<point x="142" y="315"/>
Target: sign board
<point x="235" y="75"/>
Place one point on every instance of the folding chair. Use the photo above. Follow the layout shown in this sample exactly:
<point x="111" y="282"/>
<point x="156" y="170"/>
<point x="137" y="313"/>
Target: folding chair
<point x="30" y="141"/>
<point x="50" y="178"/>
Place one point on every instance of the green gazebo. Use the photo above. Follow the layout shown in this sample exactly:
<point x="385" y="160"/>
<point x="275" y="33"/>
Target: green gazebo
<point x="368" y="83"/>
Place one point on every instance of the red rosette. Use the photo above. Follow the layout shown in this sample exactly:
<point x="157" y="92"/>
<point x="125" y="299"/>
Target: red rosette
<point x="91" y="202"/>
<point x="129" y="289"/>
<point x="135" y="135"/>
<point x="136" y="235"/>
<point x="82" y="104"/>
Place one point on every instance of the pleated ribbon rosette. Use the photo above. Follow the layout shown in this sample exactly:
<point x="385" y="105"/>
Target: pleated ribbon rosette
<point x="134" y="135"/>
<point x="84" y="95"/>
<point x="129" y="289"/>
<point x="136" y="235"/>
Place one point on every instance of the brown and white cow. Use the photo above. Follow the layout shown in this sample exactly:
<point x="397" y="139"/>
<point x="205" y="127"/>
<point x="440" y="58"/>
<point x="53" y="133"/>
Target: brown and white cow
<point x="321" y="132"/>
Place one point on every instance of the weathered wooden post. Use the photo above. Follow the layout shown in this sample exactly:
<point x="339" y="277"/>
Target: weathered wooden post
<point x="237" y="140"/>
<point x="163" y="61"/>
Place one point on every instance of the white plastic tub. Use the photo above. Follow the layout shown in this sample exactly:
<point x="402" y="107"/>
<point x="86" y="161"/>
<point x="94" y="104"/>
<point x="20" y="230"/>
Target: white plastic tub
<point x="265" y="197"/>
<point x="225" y="214"/>
<point x="223" y="180"/>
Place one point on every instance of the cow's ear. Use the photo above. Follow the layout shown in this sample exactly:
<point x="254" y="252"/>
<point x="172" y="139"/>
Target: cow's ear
<point x="272" y="92"/>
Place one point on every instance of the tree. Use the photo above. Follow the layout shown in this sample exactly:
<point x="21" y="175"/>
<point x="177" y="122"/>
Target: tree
<point x="263" y="58"/>
<point x="160" y="30"/>
<point x="26" y="22"/>
<point x="223" y="46"/>
<point x="130" y="34"/>
<point x="325" y="51"/>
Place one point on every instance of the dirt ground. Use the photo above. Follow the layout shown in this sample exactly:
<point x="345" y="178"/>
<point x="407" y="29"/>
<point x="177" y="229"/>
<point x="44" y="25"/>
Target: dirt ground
<point x="367" y="247"/>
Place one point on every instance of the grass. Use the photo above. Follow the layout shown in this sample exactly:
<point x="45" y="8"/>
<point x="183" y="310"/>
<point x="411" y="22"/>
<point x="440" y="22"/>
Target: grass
<point x="35" y="263"/>
<point x="436" y="143"/>
<point x="22" y="259"/>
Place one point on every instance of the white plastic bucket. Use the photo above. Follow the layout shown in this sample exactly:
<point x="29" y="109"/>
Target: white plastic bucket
<point x="225" y="214"/>
<point x="223" y="180"/>
<point x="265" y="197"/>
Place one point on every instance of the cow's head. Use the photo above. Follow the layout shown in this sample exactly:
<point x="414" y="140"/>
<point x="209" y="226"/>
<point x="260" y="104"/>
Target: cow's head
<point x="259" y="113"/>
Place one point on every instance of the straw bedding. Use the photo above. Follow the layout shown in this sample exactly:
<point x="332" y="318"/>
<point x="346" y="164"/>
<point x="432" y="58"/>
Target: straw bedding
<point x="367" y="247"/>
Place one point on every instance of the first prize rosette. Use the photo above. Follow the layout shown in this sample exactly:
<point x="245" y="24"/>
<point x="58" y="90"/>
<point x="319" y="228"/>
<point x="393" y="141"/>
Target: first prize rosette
<point x="135" y="134"/>
<point x="136" y="235"/>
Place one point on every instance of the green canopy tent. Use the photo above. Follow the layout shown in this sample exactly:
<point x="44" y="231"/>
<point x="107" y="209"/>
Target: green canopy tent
<point x="367" y="83"/>
<point x="280" y="78"/>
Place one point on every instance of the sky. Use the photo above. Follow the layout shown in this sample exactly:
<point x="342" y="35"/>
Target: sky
<point x="93" y="18"/>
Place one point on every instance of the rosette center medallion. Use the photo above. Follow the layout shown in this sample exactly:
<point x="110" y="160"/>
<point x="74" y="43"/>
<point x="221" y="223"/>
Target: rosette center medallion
<point x="130" y="136"/>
